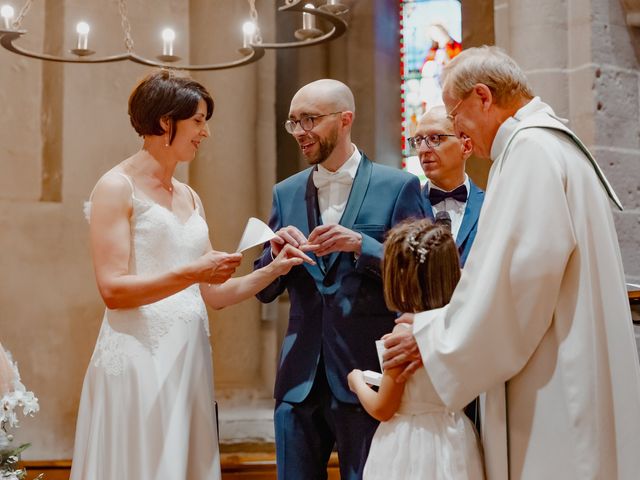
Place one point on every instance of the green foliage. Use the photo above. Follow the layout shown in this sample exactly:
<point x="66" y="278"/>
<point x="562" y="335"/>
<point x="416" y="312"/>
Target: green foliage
<point x="9" y="458"/>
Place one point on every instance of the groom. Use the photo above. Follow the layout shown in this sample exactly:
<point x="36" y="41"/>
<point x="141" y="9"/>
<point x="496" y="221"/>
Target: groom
<point x="340" y="209"/>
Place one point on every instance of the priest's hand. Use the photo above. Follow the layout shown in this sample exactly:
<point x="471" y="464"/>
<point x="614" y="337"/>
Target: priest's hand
<point x="334" y="237"/>
<point x="401" y="349"/>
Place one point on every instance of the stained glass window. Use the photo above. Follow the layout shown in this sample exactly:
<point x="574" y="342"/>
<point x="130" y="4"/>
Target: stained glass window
<point x="430" y="36"/>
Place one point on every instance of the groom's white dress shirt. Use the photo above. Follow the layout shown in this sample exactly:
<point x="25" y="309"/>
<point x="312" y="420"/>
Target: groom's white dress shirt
<point x="334" y="187"/>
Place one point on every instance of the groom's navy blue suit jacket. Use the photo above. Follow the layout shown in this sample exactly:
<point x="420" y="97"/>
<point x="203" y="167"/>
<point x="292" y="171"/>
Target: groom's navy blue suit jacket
<point x="337" y="306"/>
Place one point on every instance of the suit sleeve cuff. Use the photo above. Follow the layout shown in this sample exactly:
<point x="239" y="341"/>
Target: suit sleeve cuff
<point x="370" y="256"/>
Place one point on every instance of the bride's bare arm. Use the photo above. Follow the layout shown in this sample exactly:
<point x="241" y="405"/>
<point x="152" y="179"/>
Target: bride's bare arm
<point x="238" y="289"/>
<point x="110" y="236"/>
<point x="235" y="290"/>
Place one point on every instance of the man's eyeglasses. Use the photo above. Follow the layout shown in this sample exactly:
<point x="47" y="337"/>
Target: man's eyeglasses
<point x="432" y="140"/>
<point x="306" y="123"/>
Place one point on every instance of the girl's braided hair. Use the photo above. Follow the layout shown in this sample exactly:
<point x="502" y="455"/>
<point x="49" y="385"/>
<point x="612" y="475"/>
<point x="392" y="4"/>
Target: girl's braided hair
<point x="421" y="266"/>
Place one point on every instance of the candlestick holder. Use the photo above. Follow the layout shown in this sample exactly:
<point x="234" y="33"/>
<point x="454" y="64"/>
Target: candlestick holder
<point x="251" y="51"/>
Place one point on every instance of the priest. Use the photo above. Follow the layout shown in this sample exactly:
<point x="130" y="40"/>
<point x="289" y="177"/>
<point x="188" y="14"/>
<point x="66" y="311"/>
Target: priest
<point x="540" y="320"/>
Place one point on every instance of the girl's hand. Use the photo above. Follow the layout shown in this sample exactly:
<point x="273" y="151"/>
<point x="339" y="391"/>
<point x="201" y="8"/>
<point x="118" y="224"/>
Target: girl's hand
<point x="215" y="267"/>
<point x="354" y="378"/>
<point x="288" y="258"/>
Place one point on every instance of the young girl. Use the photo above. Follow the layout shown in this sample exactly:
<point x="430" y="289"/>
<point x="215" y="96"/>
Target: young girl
<point x="418" y="438"/>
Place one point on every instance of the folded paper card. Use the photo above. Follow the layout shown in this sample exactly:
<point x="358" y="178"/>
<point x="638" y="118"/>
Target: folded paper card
<point x="255" y="233"/>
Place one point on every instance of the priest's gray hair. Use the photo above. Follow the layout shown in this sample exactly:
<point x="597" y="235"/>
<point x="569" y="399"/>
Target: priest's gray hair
<point x="490" y="66"/>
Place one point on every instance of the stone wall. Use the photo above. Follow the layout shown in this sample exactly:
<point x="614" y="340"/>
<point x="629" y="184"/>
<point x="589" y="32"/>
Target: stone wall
<point x="583" y="60"/>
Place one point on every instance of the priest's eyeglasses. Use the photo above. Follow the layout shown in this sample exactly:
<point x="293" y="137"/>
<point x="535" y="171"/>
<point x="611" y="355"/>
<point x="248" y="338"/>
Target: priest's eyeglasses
<point x="306" y="123"/>
<point x="431" y="141"/>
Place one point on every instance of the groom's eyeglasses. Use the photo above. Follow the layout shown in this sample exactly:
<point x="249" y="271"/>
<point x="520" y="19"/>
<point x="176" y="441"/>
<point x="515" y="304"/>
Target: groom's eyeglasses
<point x="306" y="123"/>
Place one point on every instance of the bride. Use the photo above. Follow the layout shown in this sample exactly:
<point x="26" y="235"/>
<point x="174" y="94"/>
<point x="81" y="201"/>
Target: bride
<point x="146" y="410"/>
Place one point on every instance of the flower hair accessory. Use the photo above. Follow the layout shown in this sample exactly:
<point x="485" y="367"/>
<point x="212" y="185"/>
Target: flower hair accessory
<point x="415" y="247"/>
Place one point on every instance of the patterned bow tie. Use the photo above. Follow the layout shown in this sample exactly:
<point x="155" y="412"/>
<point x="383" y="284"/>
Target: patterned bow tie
<point x="322" y="178"/>
<point x="436" y="196"/>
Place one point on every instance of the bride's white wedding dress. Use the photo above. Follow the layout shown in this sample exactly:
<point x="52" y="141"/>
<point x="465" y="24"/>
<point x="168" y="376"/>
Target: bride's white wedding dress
<point x="147" y="410"/>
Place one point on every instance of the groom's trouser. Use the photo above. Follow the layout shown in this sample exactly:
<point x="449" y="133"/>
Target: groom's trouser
<point x="307" y="431"/>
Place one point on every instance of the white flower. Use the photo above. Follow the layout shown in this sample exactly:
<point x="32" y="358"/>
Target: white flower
<point x="5" y="440"/>
<point x="19" y="397"/>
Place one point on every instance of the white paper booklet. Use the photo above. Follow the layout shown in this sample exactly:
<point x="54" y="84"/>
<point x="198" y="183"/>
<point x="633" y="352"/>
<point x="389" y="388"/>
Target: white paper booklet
<point x="372" y="378"/>
<point x="255" y="233"/>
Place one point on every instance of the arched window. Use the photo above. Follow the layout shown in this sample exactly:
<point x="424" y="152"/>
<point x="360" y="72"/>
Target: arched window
<point x="430" y="35"/>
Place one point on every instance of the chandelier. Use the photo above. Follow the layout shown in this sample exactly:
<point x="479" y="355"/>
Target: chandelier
<point x="252" y="50"/>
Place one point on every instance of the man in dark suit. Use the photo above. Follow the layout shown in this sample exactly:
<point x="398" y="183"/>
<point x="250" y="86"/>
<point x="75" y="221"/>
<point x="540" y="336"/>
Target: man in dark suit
<point x="449" y="189"/>
<point x="339" y="209"/>
<point x="443" y="156"/>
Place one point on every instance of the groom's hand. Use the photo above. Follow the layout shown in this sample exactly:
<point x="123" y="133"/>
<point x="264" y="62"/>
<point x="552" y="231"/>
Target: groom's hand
<point x="334" y="237"/>
<point x="402" y="350"/>
<point x="287" y="235"/>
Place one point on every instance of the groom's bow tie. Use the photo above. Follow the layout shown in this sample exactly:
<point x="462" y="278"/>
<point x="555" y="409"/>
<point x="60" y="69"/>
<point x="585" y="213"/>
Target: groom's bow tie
<point x="322" y="178"/>
<point x="436" y="196"/>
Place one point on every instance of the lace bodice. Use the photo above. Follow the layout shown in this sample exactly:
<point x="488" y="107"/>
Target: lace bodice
<point x="159" y="242"/>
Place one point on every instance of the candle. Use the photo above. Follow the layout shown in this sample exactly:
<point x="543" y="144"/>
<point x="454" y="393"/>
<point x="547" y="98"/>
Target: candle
<point x="7" y="14"/>
<point x="82" y="28"/>
<point x="308" y="20"/>
<point x="168" y="36"/>
<point x="248" y="32"/>
<point x="333" y="2"/>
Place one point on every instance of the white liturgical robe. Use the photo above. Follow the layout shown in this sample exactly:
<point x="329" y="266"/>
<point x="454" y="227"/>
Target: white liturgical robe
<point x="540" y="320"/>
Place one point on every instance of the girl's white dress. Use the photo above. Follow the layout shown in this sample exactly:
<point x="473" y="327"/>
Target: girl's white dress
<point x="424" y="441"/>
<point x="147" y="409"/>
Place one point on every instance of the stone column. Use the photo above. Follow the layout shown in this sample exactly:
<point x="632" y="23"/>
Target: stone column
<point x="234" y="173"/>
<point x="581" y="59"/>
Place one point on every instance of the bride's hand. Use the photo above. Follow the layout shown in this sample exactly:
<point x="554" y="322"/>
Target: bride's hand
<point x="216" y="267"/>
<point x="288" y="258"/>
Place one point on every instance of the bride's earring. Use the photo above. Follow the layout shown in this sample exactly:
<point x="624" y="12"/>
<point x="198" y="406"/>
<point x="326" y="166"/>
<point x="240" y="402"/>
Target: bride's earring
<point x="167" y="136"/>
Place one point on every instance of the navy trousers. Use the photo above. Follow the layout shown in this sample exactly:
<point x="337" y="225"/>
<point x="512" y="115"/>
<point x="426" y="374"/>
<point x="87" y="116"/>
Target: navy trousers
<point x="306" y="433"/>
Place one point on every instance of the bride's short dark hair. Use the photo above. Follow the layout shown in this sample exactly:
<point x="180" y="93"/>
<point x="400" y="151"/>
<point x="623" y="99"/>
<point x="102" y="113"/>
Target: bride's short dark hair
<point x="165" y="95"/>
<point x="421" y="266"/>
